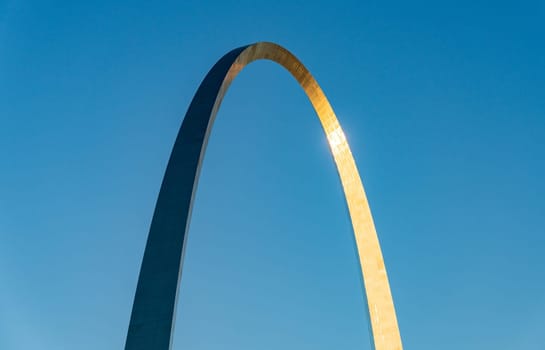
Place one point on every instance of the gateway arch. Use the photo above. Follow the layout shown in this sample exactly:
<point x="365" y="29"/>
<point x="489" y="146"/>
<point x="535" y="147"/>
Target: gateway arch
<point x="152" y="319"/>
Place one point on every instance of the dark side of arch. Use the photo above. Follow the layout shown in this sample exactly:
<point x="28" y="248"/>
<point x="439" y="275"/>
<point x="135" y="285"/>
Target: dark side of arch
<point x="154" y="305"/>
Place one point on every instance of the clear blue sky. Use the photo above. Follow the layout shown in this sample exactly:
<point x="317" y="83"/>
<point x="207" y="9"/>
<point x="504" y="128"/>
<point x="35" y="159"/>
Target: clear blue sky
<point x="443" y="104"/>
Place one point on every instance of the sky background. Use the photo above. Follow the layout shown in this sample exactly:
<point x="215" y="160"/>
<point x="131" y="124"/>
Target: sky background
<point x="443" y="104"/>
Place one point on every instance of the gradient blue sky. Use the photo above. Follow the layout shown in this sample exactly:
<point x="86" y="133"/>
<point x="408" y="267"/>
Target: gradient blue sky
<point x="443" y="104"/>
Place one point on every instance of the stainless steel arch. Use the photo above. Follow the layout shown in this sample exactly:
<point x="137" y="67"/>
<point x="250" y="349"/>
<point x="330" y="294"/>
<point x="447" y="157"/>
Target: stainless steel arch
<point x="154" y="306"/>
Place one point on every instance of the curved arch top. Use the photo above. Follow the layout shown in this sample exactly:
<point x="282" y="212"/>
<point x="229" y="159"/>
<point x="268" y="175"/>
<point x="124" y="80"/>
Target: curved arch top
<point x="154" y="307"/>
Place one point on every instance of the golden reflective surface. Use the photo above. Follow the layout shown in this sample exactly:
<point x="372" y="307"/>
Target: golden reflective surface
<point x="379" y="298"/>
